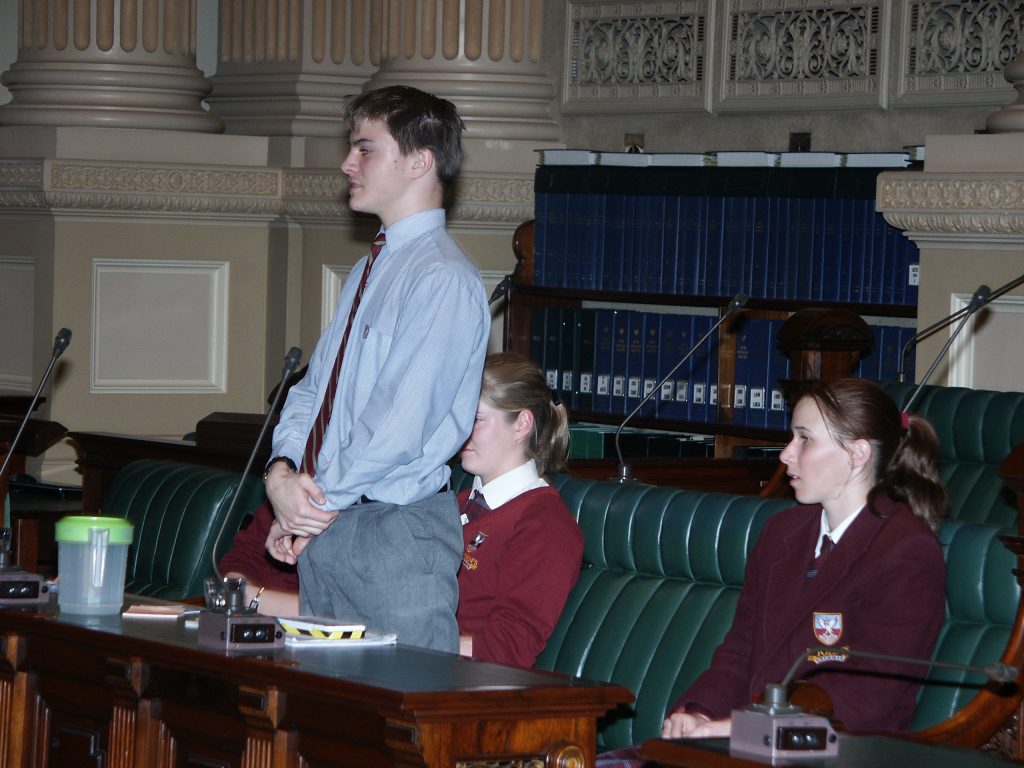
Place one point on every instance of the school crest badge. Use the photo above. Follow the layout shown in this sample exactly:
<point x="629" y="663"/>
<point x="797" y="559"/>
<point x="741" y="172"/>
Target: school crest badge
<point x="828" y="627"/>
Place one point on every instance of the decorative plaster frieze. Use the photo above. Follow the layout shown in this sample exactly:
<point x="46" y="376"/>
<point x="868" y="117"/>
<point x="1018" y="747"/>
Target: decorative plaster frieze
<point x="959" y="191"/>
<point x="21" y="174"/>
<point x="112" y="188"/>
<point x="162" y="179"/>
<point x="982" y="207"/>
<point x="488" y="198"/>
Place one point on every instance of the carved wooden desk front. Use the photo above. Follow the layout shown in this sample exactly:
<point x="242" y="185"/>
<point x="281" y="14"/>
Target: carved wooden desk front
<point x="129" y="693"/>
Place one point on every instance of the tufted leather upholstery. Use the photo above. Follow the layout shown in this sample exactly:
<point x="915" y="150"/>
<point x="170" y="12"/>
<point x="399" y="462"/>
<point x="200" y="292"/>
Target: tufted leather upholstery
<point x="977" y="429"/>
<point x="177" y="510"/>
<point x="982" y="595"/>
<point x="662" y="570"/>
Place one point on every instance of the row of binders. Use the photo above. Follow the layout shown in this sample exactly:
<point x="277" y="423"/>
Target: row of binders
<point x="808" y="234"/>
<point x="605" y="361"/>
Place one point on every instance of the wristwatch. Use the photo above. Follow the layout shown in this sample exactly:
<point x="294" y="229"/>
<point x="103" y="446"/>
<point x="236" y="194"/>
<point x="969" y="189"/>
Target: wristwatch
<point x="273" y="461"/>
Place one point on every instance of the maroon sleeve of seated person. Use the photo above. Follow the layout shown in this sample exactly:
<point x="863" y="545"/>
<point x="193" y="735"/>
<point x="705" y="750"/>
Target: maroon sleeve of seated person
<point x="248" y="555"/>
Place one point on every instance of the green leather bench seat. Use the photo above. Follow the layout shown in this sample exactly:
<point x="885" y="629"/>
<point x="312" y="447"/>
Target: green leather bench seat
<point x="661" y="575"/>
<point x="982" y="596"/>
<point x="662" y="572"/>
<point x="177" y="510"/>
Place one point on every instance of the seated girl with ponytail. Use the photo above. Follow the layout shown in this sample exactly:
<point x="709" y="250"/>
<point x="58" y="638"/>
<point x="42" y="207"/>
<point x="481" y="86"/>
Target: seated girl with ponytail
<point x="522" y="546"/>
<point x="856" y="565"/>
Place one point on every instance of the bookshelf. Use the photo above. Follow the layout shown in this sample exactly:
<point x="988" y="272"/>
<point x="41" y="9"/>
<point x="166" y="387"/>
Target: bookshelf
<point x="743" y="379"/>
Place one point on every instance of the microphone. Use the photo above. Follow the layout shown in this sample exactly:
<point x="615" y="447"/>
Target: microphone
<point x="978" y="300"/>
<point x="920" y="335"/>
<point x="228" y="622"/>
<point x="19" y="587"/>
<point x="501" y="289"/>
<point x="60" y="343"/>
<point x="775" y="728"/>
<point x="625" y="471"/>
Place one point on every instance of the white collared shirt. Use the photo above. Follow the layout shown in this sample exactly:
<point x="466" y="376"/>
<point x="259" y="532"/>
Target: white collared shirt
<point x="838" y="532"/>
<point x="506" y="487"/>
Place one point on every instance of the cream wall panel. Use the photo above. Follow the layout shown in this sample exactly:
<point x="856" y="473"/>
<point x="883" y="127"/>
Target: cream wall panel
<point x="80" y="243"/>
<point x="17" y="280"/>
<point x="975" y="358"/>
<point x="334" y="277"/>
<point x="159" y="327"/>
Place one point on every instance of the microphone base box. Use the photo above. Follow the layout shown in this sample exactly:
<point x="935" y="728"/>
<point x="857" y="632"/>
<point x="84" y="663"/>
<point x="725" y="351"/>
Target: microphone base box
<point x="24" y="589"/>
<point x="239" y="631"/>
<point x="781" y="737"/>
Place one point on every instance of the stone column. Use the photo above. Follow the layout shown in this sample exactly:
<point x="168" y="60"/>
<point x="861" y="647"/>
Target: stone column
<point x="108" y="63"/>
<point x="483" y="55"/>
<point x="285" y="66"/>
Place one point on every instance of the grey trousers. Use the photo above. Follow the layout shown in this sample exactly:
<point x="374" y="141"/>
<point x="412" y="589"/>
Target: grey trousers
<point x="392" y="568"/>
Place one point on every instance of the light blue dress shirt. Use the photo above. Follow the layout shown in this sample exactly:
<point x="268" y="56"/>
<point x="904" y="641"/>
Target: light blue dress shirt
<point x="410" y="381"/>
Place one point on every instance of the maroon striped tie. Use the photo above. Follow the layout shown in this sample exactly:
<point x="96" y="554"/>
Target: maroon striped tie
<point x="316" y="434"/>
<point x="476" y="505"/>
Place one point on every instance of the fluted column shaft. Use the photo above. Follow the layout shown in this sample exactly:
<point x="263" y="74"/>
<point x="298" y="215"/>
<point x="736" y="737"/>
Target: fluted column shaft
<point x="484" y="55"/>
<point x="285" y="66"/>
<point x="107" y="63"/>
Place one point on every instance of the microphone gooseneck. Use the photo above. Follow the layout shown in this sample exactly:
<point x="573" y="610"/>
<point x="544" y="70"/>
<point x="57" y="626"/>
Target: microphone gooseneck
<point x="291" y="362"/>
<point x="625" y="472"/>
<point x="978" y="300"/>
<point x="775" y="693"/>
<point x="939" y="324"/>
<point x="60" y="343"/>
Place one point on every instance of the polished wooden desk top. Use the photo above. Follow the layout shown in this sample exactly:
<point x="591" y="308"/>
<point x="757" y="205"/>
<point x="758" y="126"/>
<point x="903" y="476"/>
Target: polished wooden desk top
<point x="854" y="752"/>
<point x="401" y="671"/>
<point x="138" y="690"/>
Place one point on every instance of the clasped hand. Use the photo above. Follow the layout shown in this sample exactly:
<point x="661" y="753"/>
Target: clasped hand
<point x="292" y="495"/>
<point x="680" y="725"/>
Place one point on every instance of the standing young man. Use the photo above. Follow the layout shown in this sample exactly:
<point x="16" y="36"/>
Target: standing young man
<point x="359" y="489"/>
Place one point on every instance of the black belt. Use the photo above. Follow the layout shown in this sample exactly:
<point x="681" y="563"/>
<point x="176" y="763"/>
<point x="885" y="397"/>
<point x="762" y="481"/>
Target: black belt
<point x="367" y="500"/>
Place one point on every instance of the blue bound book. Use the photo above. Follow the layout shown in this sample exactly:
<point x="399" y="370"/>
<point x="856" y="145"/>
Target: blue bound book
<point x="652" y="347"/>
<point x="777" y="416"/>
<point x="620" y="353"/>
<point x="673" y="399"/>
<point x="603" y="344"/>
<point x="741" y="329"/>
<point x="584" y="355"/>
<point x="761" y="240"/>
<point x="635" y="360"/>
<point x="614" y="241"/>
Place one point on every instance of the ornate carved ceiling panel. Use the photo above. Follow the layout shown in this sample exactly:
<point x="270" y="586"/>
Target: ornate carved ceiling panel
<point x="737" y="55"/>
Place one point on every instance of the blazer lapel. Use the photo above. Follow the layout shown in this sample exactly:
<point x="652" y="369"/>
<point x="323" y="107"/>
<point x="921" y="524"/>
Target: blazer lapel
<point x="785" y="580"/>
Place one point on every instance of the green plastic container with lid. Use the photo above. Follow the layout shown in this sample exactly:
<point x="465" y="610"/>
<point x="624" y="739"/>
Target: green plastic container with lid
<point x="92" y="556"/>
